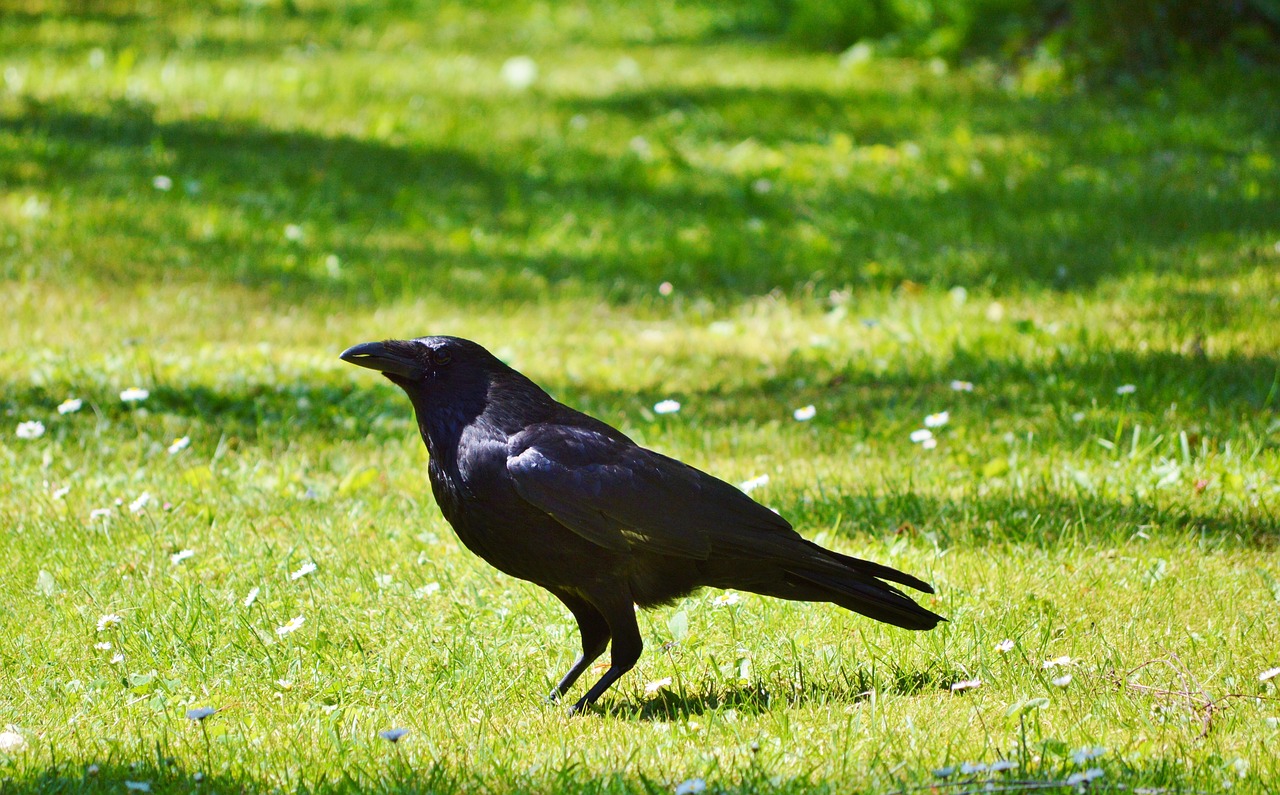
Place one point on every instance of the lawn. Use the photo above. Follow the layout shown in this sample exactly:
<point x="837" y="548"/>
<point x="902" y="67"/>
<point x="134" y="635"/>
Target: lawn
<point x="209" y="203"/>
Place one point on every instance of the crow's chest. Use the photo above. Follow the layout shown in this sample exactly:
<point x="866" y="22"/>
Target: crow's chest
<point x="479" y="502"/>
<point x="495" y="523"/>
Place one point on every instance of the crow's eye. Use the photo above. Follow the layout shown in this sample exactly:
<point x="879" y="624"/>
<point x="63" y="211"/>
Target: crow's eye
<point x="441" y="357"/>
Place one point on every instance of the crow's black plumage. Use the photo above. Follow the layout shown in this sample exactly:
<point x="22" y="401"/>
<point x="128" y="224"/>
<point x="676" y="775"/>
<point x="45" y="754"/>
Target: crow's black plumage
<point x="550" y="495"/>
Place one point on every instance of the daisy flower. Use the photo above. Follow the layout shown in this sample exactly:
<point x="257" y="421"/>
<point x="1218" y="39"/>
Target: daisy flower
<point x="666" y="407"/>
<point x="139" y="504"/>
<point x="751" y="485"/>
<point x="1082" y="755"/>
<point x="519" y="72"/>
<point x="937" y="420"/>
<point x="32" y="429"/>
<point x="293" y="626"/>
<point x="652" y="688"/>
<point x="690" y="787"/>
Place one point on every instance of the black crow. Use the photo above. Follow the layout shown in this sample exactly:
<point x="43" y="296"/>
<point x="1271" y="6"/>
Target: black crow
<point x="550" y="495"/>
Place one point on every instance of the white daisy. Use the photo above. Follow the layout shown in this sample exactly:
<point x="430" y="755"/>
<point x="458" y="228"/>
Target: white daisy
<point x="1005" y="646"/>
<point x="293" y="626"/>
<point x="1126" y="389"/>
<point x="252" y="597"/>
<point x="70" y="406"/>
<point x="690" y="787"/>
<point x="1082" y="755"/>
<point x="666" y="407"/>
<point x="966" y="684"/>
<point x="805" y="413"/>
<point x="139" y="504"/>
<point x="726" y="599"/>
<point x="181" y="555"/>
<point x="1085" y="777"/>
<point x="179" y="445"/>
<point x="108" y="621"/>
<point x="32" y="429"/>
<point x="303" y="570"/>
<point x="937" y="420"/>
<point x="653" y="687"/>
<point x="921" y="435"/>
<point x="134" y="395"/>
<point x="519" y="72"/>
<point x="11" y="741"/>
<point x="751" y="485"/>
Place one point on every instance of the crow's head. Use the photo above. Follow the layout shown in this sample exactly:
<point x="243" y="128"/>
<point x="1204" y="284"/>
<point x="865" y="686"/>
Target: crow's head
<point x="451" y="381"/>
<point x="426" y="364"/>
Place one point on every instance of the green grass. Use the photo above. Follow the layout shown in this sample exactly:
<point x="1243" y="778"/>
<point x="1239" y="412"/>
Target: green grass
<point x="917" y="226"/>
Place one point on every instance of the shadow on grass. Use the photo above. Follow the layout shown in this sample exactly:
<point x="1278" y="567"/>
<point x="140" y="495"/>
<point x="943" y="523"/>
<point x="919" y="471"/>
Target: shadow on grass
<point x="850" y="686"/>
<point x="999" y="507"/>
<point x="1106" y="190"/>
<point x="854" y="401"/>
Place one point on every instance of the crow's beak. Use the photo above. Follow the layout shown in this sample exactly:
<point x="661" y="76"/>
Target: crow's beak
<point x="378" y="356"/>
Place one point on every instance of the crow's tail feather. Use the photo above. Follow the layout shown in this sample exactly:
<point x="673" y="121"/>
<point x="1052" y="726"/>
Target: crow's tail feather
<point x="868" y="596"/>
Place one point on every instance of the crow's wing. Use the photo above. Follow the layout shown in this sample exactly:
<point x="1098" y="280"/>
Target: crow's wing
<point x="624" y="497"/>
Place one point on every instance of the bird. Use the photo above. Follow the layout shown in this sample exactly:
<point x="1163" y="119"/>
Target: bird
<point x="551" y="495"/>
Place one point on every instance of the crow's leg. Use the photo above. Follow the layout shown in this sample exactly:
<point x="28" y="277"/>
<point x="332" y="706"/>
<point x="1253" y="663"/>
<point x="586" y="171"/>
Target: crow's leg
<point x="627" y="645"/>
<point x="595" y="637"/>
